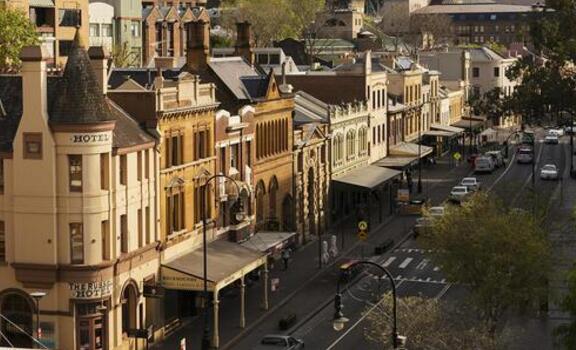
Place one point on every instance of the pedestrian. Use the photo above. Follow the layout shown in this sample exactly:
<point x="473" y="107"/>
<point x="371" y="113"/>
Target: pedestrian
<point x="286" y="257"/>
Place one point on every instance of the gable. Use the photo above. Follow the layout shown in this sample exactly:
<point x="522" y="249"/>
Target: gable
<point x="272" y="91"/>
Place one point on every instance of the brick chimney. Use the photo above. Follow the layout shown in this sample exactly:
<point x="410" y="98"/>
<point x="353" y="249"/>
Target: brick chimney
<point x="244" y="45"/>
<point x="34" y="81"/>
<point x="99" y="59"/>
<point x="198" y="52"/>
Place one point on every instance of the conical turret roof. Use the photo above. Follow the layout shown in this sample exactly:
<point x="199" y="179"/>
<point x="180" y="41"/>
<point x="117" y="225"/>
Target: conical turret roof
<point x="80" y="99"/>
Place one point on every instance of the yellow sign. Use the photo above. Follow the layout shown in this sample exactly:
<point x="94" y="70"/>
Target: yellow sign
<point x="362" y="235"/>
<point x="362" y="225"/>
<point x="457" y="156"/>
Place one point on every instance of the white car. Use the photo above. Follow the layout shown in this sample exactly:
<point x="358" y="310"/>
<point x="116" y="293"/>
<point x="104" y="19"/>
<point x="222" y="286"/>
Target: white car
<point x="483" y="164"/>
<point x="556" y="131"/>
<point x="549" y="172"/>
<point x="426" y="221"/>
<point x="459" y="193"/>
<point x="471" y="183"/>
<point x="551" y="139"/>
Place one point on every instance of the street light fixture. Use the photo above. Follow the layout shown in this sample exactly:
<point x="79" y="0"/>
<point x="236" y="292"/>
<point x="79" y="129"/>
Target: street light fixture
<point x="340" y="320"/>
<point x="37" y="296"/>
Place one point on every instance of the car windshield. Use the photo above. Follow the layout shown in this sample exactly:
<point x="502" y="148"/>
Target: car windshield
<point x="459" y="189"/>
<point x="549" y="167"/>
<point x="469" y="181"/>
<point x="273" y="341"/>
<point x="525" y="151"/>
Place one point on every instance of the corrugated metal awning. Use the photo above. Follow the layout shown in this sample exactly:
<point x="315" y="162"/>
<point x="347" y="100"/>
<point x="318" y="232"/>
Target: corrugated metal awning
<point x="410" y="149"/>
<point x="41" y="3"/>
<point x="368" y="177"/>
<point x="448" y="128"/>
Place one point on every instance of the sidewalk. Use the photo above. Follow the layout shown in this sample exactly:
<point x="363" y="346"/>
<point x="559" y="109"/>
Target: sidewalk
<point x="304" y="286"/>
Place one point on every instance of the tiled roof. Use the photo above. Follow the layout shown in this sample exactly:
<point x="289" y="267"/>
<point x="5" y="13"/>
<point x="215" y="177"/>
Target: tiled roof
<point x="127" y="132"/>
<point x="243" y="80"/>
<point x="143" y="76"/>
<point x="80" y="99"/>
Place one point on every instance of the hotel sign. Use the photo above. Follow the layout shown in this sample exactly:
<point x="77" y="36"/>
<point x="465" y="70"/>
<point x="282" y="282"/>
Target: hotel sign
<point x="90" y="138"/>
<point x="90" y="290"/>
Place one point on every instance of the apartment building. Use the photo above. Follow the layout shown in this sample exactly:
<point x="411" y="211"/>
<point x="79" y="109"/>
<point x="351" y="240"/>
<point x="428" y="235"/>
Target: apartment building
<point x="56" y="23"/>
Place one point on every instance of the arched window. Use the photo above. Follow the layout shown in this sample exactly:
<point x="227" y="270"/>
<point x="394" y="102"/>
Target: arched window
<point x="363" y="140"/>
<point x="350" y="144"/>
<point x="18" y="308"/>
<point x="260" y="192"/>
<point x="129" y="307"/>
<point x="272" y="196"/>
<point x="337" y="149"/>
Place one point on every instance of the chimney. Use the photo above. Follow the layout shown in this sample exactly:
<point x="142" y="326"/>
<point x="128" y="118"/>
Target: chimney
<point x="34" y="81"/>
<point x="165" y="62"/>
<point x="284" y="87"/>
<point x="244" y="45"/>
<point x="99" y="60"/>
<point x="198" y="53"/>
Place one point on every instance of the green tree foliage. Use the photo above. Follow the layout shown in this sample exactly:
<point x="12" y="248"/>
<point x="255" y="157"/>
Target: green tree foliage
<point x="430" y="324"/>
<point x="501" y="254"/>
<point x="566" y="333"/>
<point x="548" y="85"/>
<point x="123" y="56"/>
<point x="17" y="31"/>
<point x="273" y="20"/>
<point x="492" y="104"/>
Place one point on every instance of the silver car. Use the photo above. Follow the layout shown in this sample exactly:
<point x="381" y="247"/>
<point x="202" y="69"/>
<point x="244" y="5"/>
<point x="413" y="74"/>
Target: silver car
<point x="549" y="172"/>
<point x="471" y="183"/>
<point x="459" y="193"/>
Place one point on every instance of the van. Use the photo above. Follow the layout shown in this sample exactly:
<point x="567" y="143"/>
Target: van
<point x="483" y="164"/>
<point x="525" y="155"/>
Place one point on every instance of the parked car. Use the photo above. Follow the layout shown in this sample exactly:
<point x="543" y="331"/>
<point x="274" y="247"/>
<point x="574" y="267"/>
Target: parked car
<point x="570" y="130"/>
<point x="549" y="172"/>
<point x="471" y="183"/>
<point x="556" y="131"/>
<point x="525" y="155"/>
<point x="497" y="158"/>
<point x="426" y="221"/>
<point x="551" y="139"/>
<point x="459" y="193"/>
<point x="280" y="342"/>
<point x="483" y="164"/>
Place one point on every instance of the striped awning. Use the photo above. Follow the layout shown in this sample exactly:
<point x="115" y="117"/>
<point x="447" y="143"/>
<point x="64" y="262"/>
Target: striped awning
<point x="41" y="3"/>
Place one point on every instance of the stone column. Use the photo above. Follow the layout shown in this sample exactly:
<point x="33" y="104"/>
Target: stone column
<point x="242" y="303"/>
<point x="215" y="327"/>
<point x="265" y="294"/>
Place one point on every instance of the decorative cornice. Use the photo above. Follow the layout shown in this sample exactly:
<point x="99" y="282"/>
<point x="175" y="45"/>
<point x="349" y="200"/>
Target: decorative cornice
<point x="91" y="127"/>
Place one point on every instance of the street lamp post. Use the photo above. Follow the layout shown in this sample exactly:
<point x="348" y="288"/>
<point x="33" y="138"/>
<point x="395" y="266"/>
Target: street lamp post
<point x="37" y="296"/>
<point x="239" y="217"/>
<point x="420" y="153"/>
<point x="340" y="320"/>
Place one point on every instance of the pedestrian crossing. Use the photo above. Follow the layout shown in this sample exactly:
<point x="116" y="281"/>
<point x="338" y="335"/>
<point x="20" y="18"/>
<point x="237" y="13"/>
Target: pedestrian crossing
<point x="413" y="265"/>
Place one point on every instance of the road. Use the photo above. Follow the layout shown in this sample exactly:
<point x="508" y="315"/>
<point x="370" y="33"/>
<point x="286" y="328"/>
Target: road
<point x="415" y="273"/>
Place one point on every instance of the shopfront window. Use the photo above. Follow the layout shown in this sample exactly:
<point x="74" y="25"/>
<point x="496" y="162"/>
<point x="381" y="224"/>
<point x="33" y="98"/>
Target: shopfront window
<point x="90" y="327"/>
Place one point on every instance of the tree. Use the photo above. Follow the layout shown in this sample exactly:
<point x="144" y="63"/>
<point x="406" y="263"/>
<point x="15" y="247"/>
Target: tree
<point x="429" y="324"/>
<point x="566" y="333"/>
<point x="501" y="254"/>
<point x="17" y="33"/>
<point x="123" y="56"/>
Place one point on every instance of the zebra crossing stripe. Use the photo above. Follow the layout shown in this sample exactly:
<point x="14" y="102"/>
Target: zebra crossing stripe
<point x="389" y="261"/>
<point x="405" y="263"/>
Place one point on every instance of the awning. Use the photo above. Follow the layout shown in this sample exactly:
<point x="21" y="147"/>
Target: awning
<point x="439" y="133"/>
<point x="396" y="162"/>
<point x="41" y="3"/>
<point x="448" y="128"/>
<point x="227" y="262"/>
<point x="409" y="149"/>
<point x="467" y="123"/>
<point x="368" y="177"/>
<point x="267" y="242"/>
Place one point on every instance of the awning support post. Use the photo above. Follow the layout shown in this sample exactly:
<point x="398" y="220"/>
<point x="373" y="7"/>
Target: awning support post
<point x="215" y="327"/>
<point x="265" y="294"/>
<point x="242" y="303"/>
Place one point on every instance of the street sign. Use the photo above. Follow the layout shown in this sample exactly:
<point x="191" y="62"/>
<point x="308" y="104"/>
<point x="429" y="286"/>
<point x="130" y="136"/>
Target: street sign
<point x="457" y="156"/>
<point x="362" y="225"/>
<point x="362" y="235"/>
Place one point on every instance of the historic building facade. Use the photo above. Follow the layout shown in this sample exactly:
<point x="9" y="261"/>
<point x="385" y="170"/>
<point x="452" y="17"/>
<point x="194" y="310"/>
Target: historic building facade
<point x="78" y="208"/>
<point x="165" y="30"/>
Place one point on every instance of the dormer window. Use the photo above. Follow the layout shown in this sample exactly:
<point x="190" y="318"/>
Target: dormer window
<point x="32" y="145"/>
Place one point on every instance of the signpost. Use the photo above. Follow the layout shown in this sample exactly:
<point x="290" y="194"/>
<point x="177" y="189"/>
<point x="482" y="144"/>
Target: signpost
<point x="362" y="230"/>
